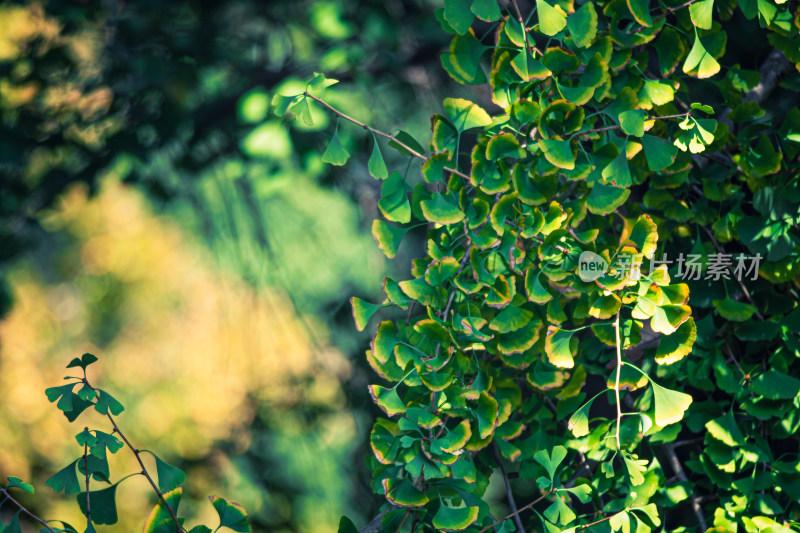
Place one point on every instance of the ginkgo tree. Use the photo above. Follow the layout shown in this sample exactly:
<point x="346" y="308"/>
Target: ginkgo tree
<point x="619" y="134"/>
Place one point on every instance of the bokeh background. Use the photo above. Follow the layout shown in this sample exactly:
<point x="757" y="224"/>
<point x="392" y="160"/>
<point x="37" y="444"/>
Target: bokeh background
<point x="154" y="212"/>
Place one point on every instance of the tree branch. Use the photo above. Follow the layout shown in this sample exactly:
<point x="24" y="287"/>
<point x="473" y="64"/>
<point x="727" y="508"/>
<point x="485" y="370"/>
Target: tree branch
<point x="511" y="503"/>
<point x="137" y="453"/>
<point x="381" y="133"/>
<point x="681" y="475"/>
<point x="524" y="508"/>
<point x="86" y="468"/>
<point x="32" y="516"/>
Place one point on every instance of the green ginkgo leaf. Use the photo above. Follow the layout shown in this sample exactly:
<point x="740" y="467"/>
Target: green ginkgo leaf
<point x="659" y="152"/>
<point x="169" y="477"/>
<point x="160" y="520"/>
<point x="582" y="25"/>
<point x="17" y="483"/>
<point x="551" y="460"/>
<point x="466" y="115"/>
<point x="104" y="505"/>
<point x="529" y="68"/>
<point x="486" y="10"/>
<point x="536" y="291"/>
<point x="457" y="13"/>
<point x="394" y="203"/>
<point x="336" y="153"/>
<point x="618" y="172"/>
<point x="346" y="526"/>
<point x="560" y="347"/>
<point x="635" y="467"/>
<point x="605" y="199"/>
<point x="559" y="153"/>
<point x="621" y="521"/>
<point x="632" y="122"/>
<point x="387" y="399"/>
<point x="363" y="311"/>
<point x="640" y="9"/>
<point x="454" y="519"/>
<point x="701" y="14"/>
<point x="579" y="421"/>
<point x="402" y="492"/>
<point x="486" y="414"/>
<point x="725" y="429"/>
<point x="388" y="237"/>
<point x="672" y="348"/>
<point x="441" y="210"/>
<point x="559" y="512"/>
<point x="644" y="236"/>
<point x="732" y="310"/>
<point x="700" y="63"/>
<point x="454" y="440"/>
<point x="667" y="318"/>
<point x="503" y="145"/>
<point x="670" y="404"/>
<point x="231" y="515"/>
<point x="376" y="165"/>
<point x="65" y="479"/>
<point x="551" y="19"/>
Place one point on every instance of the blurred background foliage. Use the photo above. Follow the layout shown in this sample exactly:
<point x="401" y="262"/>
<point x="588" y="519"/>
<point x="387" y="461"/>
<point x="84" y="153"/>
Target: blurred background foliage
<point x="153" y="211"/>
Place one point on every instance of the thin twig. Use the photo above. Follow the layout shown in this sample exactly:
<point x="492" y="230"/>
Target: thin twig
<point x="137" y="453"/>
<point x="524" y="508"/>
<point x="597" y="522"/>
<point x="381" y="133"/>
<point x="669" y="11"/>
<point x="403" y="521"/>
<point x="32" y="516"/>
<point x="86" y="468"/>
<point x="680" y="474"/>
<point x="511" y="503"/>
<point x="618" y="126"/>
<point x="738" y="280"/>
<point x="616" y="382"/>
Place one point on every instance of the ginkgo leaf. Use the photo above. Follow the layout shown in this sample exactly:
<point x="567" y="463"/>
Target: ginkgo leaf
<point x="674" y="347"/>
<point x="640" y="9"/>
<point x="376" y="165"/>
<point x="670" y="404"/>
<point x="582" y="25"/>
<point x="660" y="153"/>
<point x="605" y="199"/>
<point x="336" y="153"/>
<point x="551" y="460"/>
<point x="700" y="62"/>
<point x="441" y="210"/>
<point x="388" y="237"/>
<point x="644" y="236"/>
<point x="551" y="19"/>
<point x="560" y="347"/>
<point x="701" y="13"/>
<point x="559" y="153"/>
<point x="465" y="115"/>
<point x="454" y="519"/>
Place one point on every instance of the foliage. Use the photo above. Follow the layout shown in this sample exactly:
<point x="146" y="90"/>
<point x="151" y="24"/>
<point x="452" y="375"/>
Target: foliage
<point x="118" y="280"/>
<point x="622" y="132"/>
<point x="99" y="506"/>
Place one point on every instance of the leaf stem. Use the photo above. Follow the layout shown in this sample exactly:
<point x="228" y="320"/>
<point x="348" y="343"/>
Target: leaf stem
<point x="616" y="381"/>
<point x="618" y="126"/>
<point x="137" y="453"/>
<point x="524" y="508"/>
<point x="381" y="133"/>
<point x="8" y="496"/>
<point x="86" y="468"/>
<point x="669" y="11"/>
